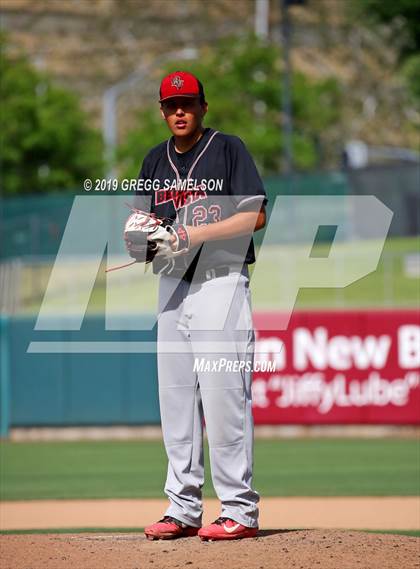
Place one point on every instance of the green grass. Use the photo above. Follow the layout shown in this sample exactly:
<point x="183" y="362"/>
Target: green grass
<point x="408" y="532"/>
<point x="387" y="286"/>
<point x="137" y="469"/>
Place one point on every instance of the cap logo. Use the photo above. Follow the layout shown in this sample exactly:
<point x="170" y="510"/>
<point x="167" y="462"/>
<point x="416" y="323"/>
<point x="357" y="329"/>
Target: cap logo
<point x="177" y="82"/>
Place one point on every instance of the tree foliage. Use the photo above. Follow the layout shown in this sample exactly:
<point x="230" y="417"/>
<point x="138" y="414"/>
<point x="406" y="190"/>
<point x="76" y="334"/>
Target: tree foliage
<point x="404" y="17"/>
<point x="242" y="82"/>
<point x="411" y="72"/>
<point x="404" y="14"/>
<point x="45" y="141"/>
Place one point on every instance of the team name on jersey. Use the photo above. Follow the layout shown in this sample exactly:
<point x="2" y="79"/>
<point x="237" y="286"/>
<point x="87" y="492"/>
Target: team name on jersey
<point x="180" y="198"/>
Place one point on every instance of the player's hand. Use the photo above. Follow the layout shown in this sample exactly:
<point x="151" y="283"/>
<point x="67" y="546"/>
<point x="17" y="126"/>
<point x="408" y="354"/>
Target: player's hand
<point x="180" y="242"/>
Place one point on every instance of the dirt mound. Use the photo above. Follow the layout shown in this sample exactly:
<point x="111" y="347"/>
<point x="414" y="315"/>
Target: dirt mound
<point x="273" y="549"/>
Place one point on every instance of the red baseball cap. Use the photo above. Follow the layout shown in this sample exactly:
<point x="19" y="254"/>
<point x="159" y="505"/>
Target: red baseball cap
<point x="180" y="84"/>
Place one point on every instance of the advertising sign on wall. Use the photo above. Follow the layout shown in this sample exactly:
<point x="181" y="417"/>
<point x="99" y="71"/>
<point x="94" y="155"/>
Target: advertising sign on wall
<point x="339" y="367"/>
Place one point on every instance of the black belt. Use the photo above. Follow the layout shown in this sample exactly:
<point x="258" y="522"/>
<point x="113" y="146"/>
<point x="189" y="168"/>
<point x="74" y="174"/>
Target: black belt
<point x="203" y="275"/>
<point x="222" y="271"/>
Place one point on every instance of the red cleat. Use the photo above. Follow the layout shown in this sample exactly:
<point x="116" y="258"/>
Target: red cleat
<point x="169" y="528"/>
<point x="225" y="528"/>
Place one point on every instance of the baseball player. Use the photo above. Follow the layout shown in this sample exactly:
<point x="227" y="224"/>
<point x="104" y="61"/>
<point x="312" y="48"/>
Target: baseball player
<point x="207" y="199"/>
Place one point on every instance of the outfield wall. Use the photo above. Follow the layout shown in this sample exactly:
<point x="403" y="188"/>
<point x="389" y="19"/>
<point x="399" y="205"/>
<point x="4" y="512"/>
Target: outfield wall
<point x="331" y="367"/>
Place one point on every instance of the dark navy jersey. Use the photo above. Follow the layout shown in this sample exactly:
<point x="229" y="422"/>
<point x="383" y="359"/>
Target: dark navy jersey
<point x="212" y="181"/>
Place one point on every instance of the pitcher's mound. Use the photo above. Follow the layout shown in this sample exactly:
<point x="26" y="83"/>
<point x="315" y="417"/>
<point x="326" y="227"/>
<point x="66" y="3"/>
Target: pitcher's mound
<point x="272" y="549"/>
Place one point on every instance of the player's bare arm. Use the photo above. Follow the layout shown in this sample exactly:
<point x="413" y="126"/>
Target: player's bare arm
<point x="242" y="223"/>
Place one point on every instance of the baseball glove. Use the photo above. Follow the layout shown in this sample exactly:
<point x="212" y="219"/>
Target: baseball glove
<point x="148" y="236"/>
